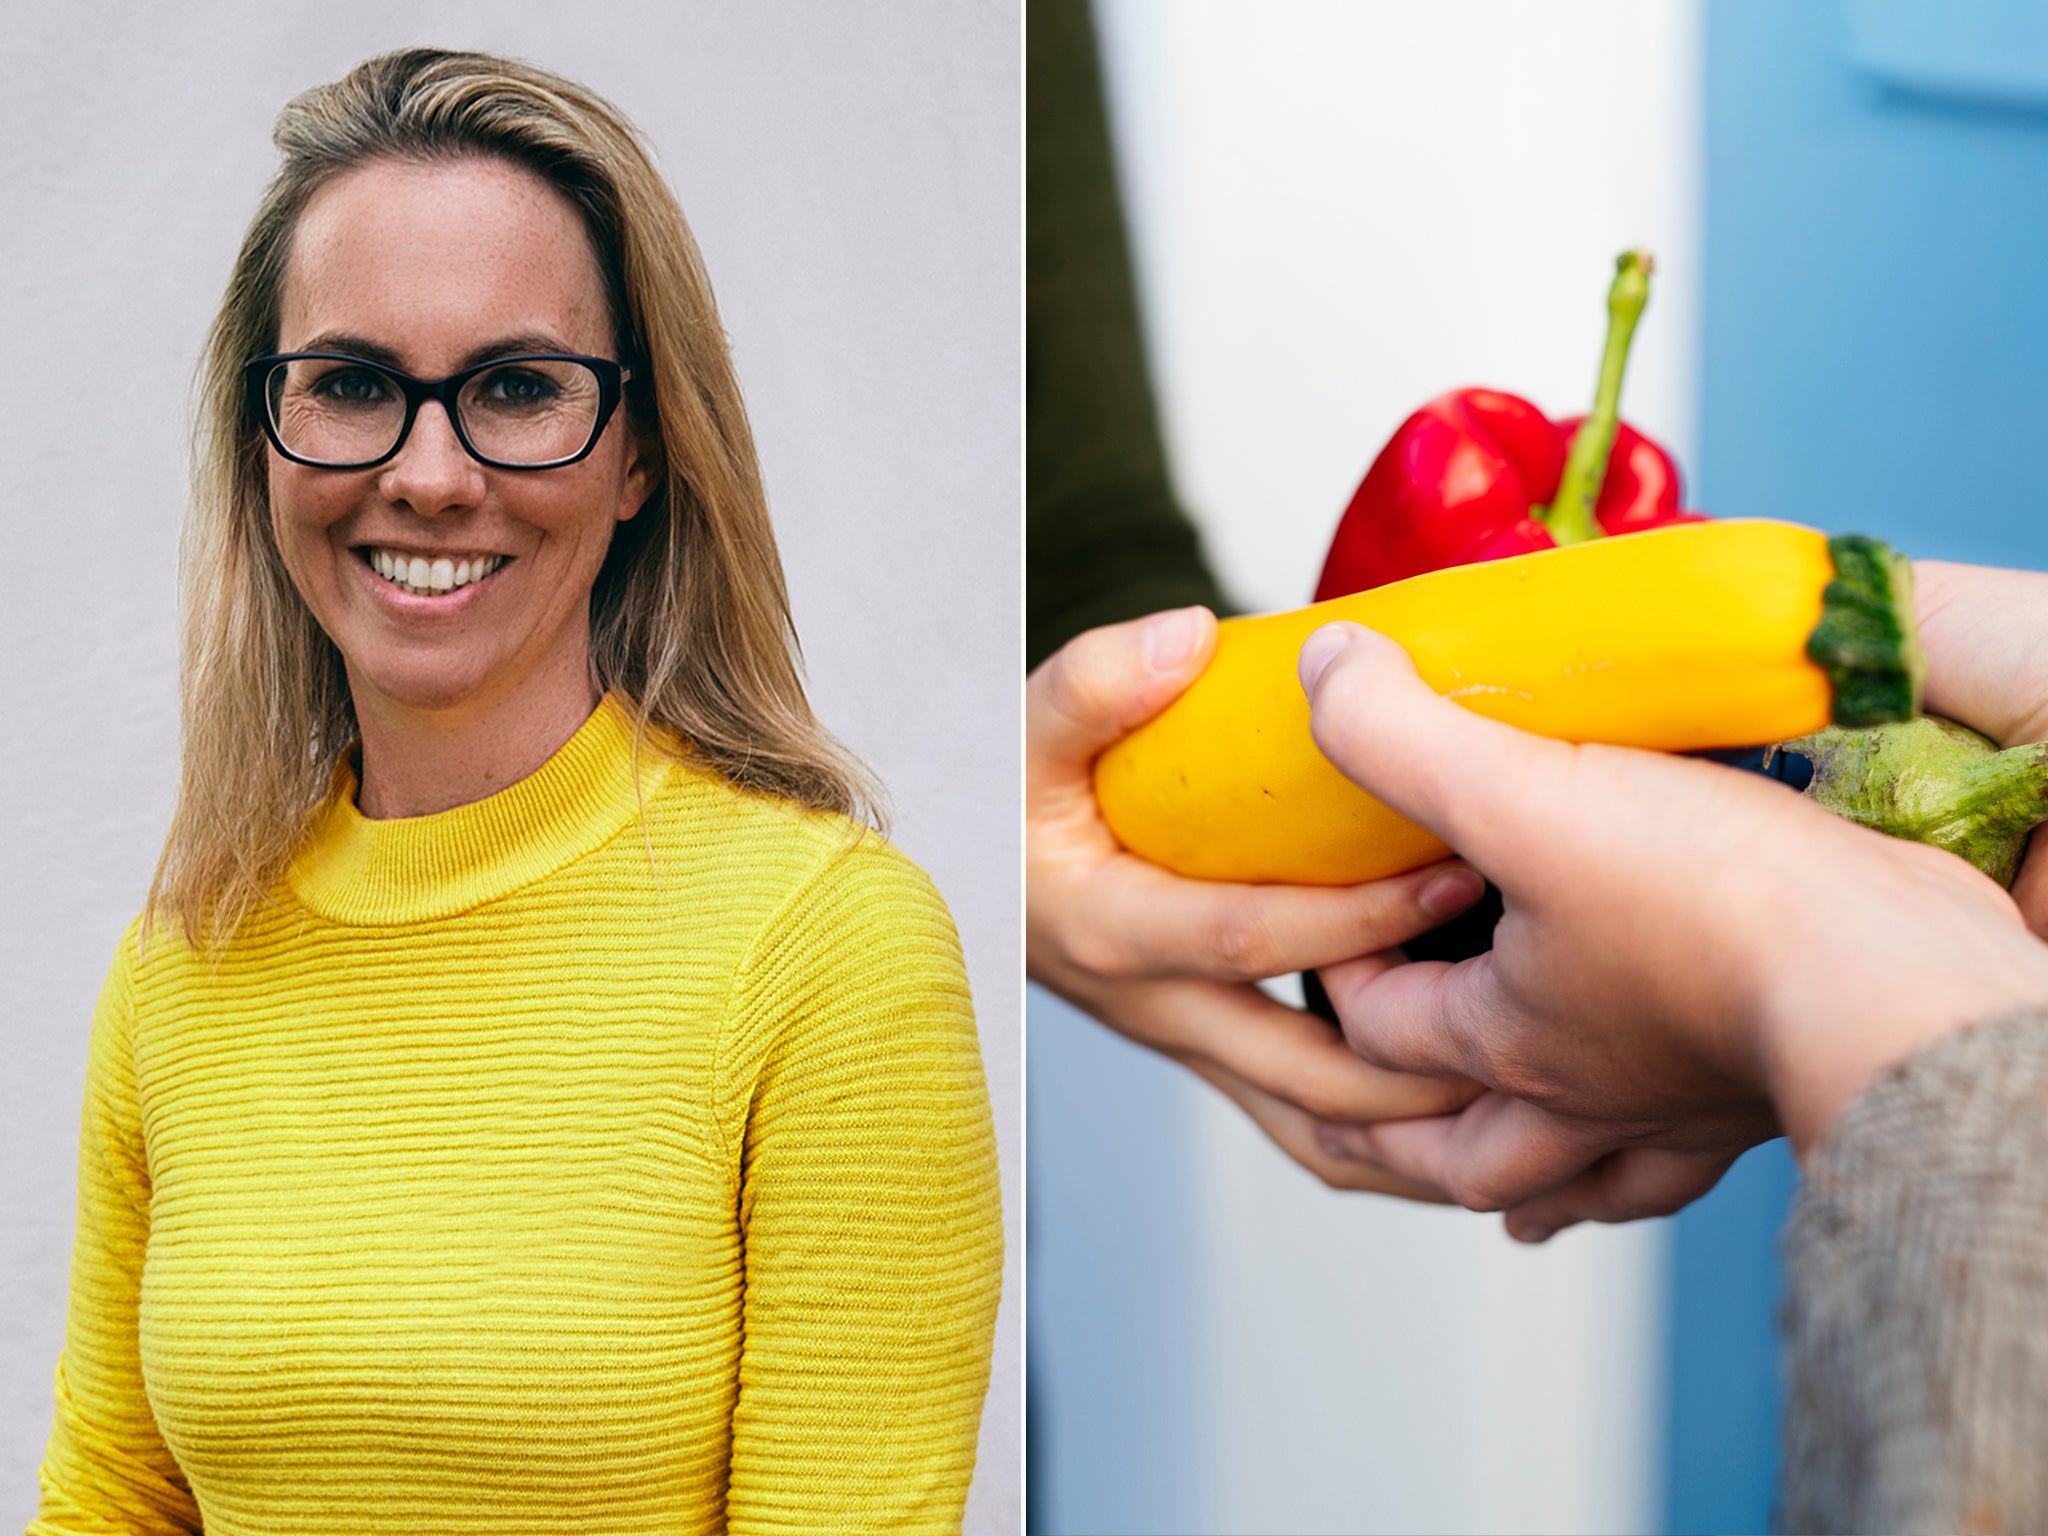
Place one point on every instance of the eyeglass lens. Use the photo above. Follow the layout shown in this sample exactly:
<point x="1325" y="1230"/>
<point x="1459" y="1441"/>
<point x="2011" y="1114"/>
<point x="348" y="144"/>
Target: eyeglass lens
<point x="530" y="412"/>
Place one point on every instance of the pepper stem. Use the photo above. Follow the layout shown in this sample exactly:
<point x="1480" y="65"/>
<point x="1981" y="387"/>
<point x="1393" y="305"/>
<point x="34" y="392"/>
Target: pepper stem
<point x="1570" y="517"/>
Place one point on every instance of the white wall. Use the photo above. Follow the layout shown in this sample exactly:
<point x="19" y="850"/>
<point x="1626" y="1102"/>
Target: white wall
<point x="853" y="176"/>
<point x="1341" y="210"/>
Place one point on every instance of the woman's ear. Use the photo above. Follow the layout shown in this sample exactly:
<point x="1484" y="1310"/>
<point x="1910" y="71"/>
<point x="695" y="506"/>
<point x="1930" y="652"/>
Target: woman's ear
<point x="646" y="465"/>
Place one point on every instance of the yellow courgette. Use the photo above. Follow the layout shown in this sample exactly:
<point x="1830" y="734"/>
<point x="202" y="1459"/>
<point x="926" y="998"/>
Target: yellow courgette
<point x="1717" y="634"/>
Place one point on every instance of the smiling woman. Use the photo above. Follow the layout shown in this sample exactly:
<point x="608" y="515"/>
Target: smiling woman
<point x="532" y="1098"/>
<point x="439" y="267"/>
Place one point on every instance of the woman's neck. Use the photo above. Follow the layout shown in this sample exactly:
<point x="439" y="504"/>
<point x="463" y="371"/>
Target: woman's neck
<point x="417" y="761"/>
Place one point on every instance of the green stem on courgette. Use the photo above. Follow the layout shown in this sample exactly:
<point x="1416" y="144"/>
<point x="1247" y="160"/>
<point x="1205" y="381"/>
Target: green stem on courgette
<point x="1866" y="640"/>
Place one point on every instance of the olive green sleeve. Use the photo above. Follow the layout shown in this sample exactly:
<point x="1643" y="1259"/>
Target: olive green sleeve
<point x="1105" y="538"/>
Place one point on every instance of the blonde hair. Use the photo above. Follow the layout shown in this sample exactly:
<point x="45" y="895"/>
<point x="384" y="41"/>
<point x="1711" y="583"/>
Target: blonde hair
<point x="690" y="618"/>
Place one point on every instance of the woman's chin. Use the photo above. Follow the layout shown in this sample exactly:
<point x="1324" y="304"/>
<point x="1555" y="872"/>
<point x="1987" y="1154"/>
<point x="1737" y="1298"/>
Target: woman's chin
<point x="443" y="686"/>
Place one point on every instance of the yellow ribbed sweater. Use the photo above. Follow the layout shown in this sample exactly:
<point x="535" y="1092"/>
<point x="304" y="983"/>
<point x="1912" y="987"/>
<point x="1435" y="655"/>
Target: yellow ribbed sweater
<point x="539" y="1165"/>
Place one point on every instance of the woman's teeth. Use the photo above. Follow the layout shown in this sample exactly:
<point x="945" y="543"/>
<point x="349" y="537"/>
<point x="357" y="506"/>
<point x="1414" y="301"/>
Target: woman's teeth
<point x="426" y="578"/>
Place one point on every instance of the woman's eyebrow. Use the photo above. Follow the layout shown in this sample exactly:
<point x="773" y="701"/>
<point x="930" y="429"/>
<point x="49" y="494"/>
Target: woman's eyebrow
<point x="373" y="352"/>
<point x="530" y="341"/>
<point x="354" y="346"/>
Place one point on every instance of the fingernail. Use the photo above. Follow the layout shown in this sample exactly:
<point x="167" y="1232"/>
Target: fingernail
<point x="1530" y="1232"/>
<point x="1322" y="648"/>
<point x="1171" y="638"/>
<point x="1451" y="892"/>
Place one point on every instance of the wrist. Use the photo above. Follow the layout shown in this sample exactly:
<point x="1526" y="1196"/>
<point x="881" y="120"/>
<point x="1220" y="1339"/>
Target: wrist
<point x="1818" y="1052"/>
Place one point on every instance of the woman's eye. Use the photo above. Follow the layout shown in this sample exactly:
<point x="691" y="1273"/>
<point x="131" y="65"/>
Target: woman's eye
<point x="352" y="386"/>
<point x="516" y="387"/>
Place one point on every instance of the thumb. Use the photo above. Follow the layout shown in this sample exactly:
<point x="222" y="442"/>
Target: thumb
<point x="1474" y="782"/>
<point x="1103" y="684"/>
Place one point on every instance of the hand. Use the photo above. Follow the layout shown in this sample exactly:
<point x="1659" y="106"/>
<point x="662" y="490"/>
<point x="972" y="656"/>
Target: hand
<point x="1690" y="956"/>
<point x="1985" y="632"/>
<point x="1169" y="962"/>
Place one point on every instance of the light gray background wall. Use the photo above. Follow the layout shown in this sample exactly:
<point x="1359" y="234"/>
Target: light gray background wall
<point x="852" y="173"/>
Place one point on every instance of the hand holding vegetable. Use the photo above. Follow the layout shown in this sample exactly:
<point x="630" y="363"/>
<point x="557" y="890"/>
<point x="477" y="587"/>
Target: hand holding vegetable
<point x="1690" y="958"/>
<point x="1477" y="475"/>
<point x="1169" y="962"/>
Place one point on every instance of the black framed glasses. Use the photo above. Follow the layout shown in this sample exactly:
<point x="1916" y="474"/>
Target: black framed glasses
<point x="531" y="410"/>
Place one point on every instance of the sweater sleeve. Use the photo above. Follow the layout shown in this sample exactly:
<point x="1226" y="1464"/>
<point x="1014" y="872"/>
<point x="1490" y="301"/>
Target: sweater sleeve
<point x="869" y="1208"/>
<point x="1917" y="1297"/>
<point x="1105" y="538"/>
<point x="106" y="1468"/>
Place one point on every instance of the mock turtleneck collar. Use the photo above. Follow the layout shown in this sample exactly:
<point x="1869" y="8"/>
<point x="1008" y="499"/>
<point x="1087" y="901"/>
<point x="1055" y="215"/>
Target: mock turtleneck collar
<point x="412" y="869"/>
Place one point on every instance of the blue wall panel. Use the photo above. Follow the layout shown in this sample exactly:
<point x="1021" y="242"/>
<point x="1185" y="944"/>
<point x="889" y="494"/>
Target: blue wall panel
<point x="1875" y="351"/>
<point x="1722" y="1455"/>
<point x="1874" y="359"/>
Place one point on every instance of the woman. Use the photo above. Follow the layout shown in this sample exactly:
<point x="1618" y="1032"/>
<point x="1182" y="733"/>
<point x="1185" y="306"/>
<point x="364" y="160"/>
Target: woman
<point x="529" y="1098"/>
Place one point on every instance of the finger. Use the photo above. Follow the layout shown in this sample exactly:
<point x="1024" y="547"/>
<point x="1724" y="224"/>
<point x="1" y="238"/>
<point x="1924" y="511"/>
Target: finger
<point x="1629" y="1185"/>
<point x="1496" y="1153"/>
<point x="1300" y="1136"/>
<point x="1283" y="1052"/>
<point x="1475" y="782"/>
<point x="1979" y="628"/>
<point x="2030" y="886"/>
<point x="1430" y="1017"/>
<point x="1144" y="921"/>
<point x="1102" y="684"/>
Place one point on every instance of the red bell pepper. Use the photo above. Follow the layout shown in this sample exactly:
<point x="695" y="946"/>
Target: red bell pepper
<point x="1479" y="474"/>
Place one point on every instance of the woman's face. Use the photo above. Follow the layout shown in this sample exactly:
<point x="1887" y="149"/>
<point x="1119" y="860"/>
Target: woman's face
<point x="430" y="269"/>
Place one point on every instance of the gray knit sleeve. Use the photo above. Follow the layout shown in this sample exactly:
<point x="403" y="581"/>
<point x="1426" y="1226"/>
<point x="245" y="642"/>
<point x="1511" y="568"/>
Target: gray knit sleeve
<point x="1916" y="1313"/>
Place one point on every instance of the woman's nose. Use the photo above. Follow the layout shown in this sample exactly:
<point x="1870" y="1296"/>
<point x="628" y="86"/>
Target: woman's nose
<point x="432" y="472"/>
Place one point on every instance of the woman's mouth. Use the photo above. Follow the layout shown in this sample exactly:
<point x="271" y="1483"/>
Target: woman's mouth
<point x="422" y="577"/>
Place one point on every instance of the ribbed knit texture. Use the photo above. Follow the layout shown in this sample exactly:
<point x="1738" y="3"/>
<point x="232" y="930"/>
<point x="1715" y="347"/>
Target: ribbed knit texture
<point x="539" y="1165"/>
<point x="1916" y="1314"/>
